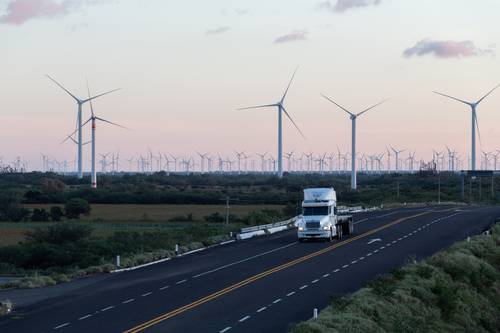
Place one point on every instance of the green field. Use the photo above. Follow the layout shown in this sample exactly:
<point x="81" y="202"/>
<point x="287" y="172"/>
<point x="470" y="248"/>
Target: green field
<point x="161" y="213"/>
<point x="109" y="218"/>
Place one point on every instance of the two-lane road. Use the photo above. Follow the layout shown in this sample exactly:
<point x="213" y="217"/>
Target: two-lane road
<point x="259" y="285"/>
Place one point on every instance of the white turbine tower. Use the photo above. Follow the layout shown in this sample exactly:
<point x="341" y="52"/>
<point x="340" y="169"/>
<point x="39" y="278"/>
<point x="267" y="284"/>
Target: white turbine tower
<point x="474" y="121"/>
<point x="281" y="110"/>
<point x="80" y="103"/>
<point x="353" y="117"/>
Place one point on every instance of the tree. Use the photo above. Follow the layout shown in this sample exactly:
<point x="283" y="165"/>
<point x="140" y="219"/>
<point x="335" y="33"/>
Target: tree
<point x="56" y="213"/>
<point x="11" y="209"/>
<point x="75" y="207"/>
<point x="40" y="215"/>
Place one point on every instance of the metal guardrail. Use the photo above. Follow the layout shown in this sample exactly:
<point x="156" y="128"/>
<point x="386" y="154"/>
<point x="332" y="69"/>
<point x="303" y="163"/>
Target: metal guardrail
<point x="271" y="225"/>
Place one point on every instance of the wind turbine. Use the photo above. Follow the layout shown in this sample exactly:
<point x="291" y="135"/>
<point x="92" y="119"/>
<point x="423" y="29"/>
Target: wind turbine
<point x="396" y="154"/>
<point x="93" y="118"/>
<point x="473" y="106"/>
<point x="353" y="117"/>
<point x="80" y="102"/>
<point x="281" y="110"/>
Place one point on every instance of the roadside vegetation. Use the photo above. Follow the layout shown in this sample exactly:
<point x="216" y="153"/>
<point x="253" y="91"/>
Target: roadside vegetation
<point x="457" y="290"/>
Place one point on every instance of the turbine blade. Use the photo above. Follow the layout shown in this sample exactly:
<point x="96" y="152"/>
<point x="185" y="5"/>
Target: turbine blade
<point x="343" y="108"/>
<point x="74" y="132"/>
<point x="293" y="122"/>
<point x="258" y="107"/>
<point x="454" y="98"/>
<point x="97" y="96"/>
<point x="478" y="132"/>
<point x="289" y="84"/>
<point x="492" y="90"/>
<point x="112" y="123"/>
<point x="66" y="90"/>
<point x="372" y="107"/>
<point x="91" y="106"/>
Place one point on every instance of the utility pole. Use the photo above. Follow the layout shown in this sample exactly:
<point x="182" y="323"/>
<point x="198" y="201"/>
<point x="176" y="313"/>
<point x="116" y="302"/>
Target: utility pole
<point x="227" y="207"/>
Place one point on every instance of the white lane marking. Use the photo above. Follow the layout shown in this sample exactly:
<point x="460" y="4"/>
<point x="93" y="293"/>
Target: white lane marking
<point x="290" y="293"/>
<point x="362" y="258"/>
<point x="277" y="301"/>
<point x="85" y="317"/>
<point x="369" y="254"/>
<point x="61" y="326"/>
<point x="335" y="271"/>
<point x="353" y="262"/>
<point x="371" y="241"/>
<point x="388" y="214"/>
<point x="165" y="287"/>
<point x="244" y="260"/>
<point x="225" y="330"/>
<point x="388" y="244"/>
<point x="243" y="319"/>
<point x="400" y="239"/>
<point x="314" y="281"/>
<point x="303" y="287"/>
<point x="375" y="251"/>
<point x="181" y="281"/>
<point x="345" y="266"/>
<point x="394" y="242"/>
<point x="128" y="301"/>
<point x="361" y="221"/>
<point x="108" y="308"/>
<point x="382" y="247"/>
<point x="146" y="294"/>
<point x="262" y="309"/>
<point x="326" y="275"/>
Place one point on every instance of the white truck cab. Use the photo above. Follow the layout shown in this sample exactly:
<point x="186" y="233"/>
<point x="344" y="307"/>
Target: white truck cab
<point x="320" y="218"/>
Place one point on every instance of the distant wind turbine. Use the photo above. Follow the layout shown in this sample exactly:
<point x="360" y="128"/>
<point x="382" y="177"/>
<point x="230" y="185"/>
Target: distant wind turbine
<point x="353" y="117"/>
<point x="473" y="106"/>
<point x="281" y="110"/>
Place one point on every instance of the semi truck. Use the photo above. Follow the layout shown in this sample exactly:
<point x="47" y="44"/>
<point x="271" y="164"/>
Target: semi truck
<point x="320" y="218"/>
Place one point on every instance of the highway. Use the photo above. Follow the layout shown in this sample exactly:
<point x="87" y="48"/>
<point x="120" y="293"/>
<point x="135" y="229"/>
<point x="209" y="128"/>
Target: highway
<point x="259" y="285"/>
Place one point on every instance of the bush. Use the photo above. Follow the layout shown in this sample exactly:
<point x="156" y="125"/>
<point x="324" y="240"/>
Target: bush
<point x="11" y="209"/>
<point x="40" y="215"/>
<point x="76" y="207"/>
<point x="182" y="218"/>
<point x="214" y="218"/>
<point x="56" y="213"/>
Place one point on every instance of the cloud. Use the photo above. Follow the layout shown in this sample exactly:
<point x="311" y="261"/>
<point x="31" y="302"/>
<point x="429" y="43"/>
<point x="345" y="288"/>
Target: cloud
<point x="343" y="5"/>
<point x="218" y="31"/>
<point x="446" y="49"/>
<point x="292" y="37"/>
<point x="21" y="11"/>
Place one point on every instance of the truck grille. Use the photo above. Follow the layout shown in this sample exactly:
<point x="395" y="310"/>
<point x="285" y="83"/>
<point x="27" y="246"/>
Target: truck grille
<point x="312" y="225"/>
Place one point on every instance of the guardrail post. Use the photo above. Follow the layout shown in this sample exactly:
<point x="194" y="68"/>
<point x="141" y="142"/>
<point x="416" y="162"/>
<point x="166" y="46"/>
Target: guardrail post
<point x="176" y="249"/>
<point x="118" y="263"/>
<point x="315" y="313"/>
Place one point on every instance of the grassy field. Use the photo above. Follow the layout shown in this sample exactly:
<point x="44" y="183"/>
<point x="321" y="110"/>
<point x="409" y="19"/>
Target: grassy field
<point x="107" y="219"/>
<point x="161" y="213"/>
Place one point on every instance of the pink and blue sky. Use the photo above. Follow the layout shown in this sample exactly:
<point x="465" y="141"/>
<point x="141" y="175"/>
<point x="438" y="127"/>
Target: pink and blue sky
<point x="185" y="66"/>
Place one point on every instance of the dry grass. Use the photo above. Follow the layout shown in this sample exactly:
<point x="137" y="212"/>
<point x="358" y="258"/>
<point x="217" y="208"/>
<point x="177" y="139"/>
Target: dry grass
<point x="161" y="213"/>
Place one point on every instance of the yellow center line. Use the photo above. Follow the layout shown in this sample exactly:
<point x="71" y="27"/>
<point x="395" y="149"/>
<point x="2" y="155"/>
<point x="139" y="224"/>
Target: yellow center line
<point x="259" y="276"/>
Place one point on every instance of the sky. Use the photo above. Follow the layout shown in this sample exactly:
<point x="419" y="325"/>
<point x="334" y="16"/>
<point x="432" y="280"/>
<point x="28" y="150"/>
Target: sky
<point x="186" y="66"/>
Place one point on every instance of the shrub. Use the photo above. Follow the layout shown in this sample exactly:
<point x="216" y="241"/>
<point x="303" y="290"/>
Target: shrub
<point x="76" y="207"/>
<point x="56" y="213"/>
<point x="214" y="218"/>
<point x="40" y="215"/>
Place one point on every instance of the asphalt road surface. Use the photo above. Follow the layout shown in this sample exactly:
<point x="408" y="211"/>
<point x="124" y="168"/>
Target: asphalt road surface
<point x="259" y="285"/>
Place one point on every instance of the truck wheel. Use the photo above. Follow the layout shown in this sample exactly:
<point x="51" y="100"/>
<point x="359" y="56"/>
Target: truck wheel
<point x="331" y="235"/>
<point x="339" y="231"/>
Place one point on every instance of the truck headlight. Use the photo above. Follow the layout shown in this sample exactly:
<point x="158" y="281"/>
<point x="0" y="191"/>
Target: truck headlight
<point x="301" y="228"/>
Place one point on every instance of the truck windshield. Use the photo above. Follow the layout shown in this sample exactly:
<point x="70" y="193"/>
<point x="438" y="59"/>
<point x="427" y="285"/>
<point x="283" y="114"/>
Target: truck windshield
<point x="311" y="211"/>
